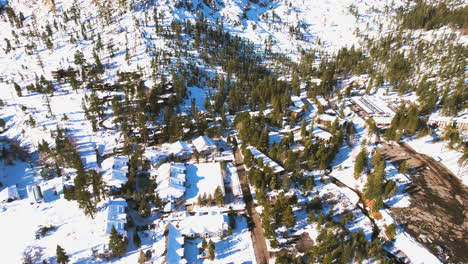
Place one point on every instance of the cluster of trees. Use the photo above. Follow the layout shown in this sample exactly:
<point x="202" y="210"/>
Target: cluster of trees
<point x="209" y="247"/>
<point x="377" y="187"/>
<point x="405" y="122"/>
<point x="216" y="199"/>
<point x="253" y="130"/>
<point x="428" y="16"/>
<point x="276" y="213"/>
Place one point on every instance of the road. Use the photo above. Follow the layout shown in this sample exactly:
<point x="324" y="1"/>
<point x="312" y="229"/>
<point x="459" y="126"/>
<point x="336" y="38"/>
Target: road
<point x="253" y="218"/>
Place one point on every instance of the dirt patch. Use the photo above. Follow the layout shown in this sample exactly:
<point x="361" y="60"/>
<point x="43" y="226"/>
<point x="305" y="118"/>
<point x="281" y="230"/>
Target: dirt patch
<point x="305" y="243"/>
<point x="437" y="215"/>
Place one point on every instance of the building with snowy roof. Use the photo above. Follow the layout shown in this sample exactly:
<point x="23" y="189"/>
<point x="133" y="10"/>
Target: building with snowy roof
<point x="116" y="216"/>
<point x="297" y="101"/>
<point x="372" y="106"/>
<point x="204" y="224"/>
<point x="181" y="150"/>
<point x="296" y="111"/>
<point x="204" y="145"/>
<point x="325" y="119"/>
<point x="9" y="194"/>
<point x="322" y="101"/>
<point x="155" y="157"/>
<point x="321" y="135"/>
<point x="174" y="245"/>
<point x="115" y="171"/>
<point x="266" y="160"/>
<point x="461" y="121"/>
<point x="170" y="181"/>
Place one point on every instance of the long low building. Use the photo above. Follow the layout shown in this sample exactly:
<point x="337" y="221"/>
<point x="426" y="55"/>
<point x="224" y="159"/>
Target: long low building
<point x="257" y="154"/>
<point x="372" y="106"/>
<point x="116" y="216"/>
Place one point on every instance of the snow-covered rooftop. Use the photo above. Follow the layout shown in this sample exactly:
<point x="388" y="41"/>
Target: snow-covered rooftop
<point x="175" y="246"/>
<point x="266" y="160"/>
<point x="171" y="181"/>
<point x="116" y="216"/>
<point x="322" y="134"/>
<point x="373" y="106"/>
<point x="115" y="171"/>
<point x="180" y="148"/>
<point x="297" y="101"/>
<point x="204" y="144"/>
<point x="204" y="223"/>
<point x="156" y="157"/>
<point x="9" y="193"/>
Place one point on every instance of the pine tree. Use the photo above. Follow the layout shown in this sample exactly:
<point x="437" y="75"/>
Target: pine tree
<point x="360" y="163"/>
<point x="391" y="231"/>
<point x="211" y="250"/>
<point x="85" y="202"/>
<point x="303" y="131"/>
<point x="62" y="257"/>
<point x="117" y="243"/>
<point x="403" y="167"/>
<point x="17" y="89"/>
<point x="288" y="219"/>
<point x="218" y="196"/>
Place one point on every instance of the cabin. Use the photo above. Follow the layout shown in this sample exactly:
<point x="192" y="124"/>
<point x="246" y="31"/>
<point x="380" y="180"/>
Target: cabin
<point x="321" y="135"/>
<point x="267" y="161"/>
<point x="180" y="150"/>
<point x="114" y="171"/>
<point x="204" y="145"/>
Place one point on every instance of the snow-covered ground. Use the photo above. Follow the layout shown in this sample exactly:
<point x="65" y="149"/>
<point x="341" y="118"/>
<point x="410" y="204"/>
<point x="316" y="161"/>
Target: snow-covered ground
<point x="440" y="152"/>
<point x="203" y="179"/>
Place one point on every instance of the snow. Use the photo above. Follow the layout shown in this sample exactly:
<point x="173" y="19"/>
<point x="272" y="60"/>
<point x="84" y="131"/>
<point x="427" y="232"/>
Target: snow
<point x="323" y="25"/>
<point x="170" y="181"/>
<point x="115" y="171"/>
<point x="180" y="149"/>
<point x="322" y="134"/>
<point x="203" y="178"/>
<point x="175" y="242"/>
<point x="266" y="160"/>
<point x="9" y="193"/>
<point x="116" y="216"/>
<point x="204" y="144"/>
<point x="440" y="152"/>
<point x="74" y="231"/>
<point x="413" y="250"/>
